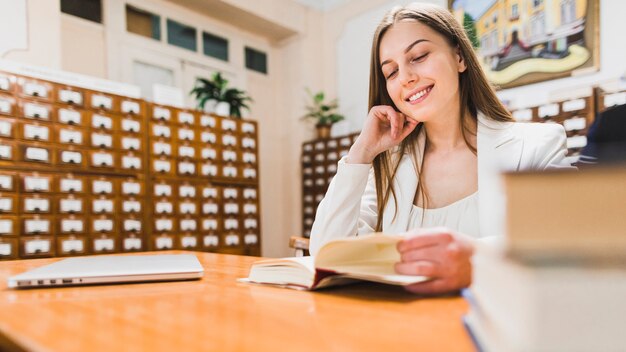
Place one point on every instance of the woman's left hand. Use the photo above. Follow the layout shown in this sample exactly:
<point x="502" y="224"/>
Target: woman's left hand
<point x="439" y="253"/>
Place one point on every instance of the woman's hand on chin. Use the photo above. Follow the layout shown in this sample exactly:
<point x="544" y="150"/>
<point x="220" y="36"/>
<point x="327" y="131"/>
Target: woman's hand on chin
<point x="439" y="253"/>
<point x="384" y="129"/>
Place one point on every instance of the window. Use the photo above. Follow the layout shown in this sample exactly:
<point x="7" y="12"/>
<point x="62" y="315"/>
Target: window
<point x="143" y="23"/>
<point x="514" y="11"/>
<point x="256" y="60"/>
<point x="90" y="10"/>
<point x="181" y="35"/>
<point x="215" y="46"/>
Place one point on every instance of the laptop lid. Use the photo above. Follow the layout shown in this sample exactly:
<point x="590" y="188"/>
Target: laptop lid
<point x="111" y="269"/>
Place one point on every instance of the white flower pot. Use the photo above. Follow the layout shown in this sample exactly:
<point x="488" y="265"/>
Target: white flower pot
<point x="222" y="108"/>
<point x="209" y="106"/>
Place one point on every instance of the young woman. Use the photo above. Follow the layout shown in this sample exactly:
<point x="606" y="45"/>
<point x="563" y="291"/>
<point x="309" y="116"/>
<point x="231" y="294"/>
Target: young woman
<point x="434" y="125"/>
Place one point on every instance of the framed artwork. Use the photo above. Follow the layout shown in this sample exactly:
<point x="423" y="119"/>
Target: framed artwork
<point x="526" y="41"/>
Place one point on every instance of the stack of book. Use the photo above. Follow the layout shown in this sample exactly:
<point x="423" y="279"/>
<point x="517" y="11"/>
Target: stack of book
<point x="562" y="290"/>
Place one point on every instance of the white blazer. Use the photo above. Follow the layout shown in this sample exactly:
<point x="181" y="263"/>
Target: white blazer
<point x="349" y="207"/>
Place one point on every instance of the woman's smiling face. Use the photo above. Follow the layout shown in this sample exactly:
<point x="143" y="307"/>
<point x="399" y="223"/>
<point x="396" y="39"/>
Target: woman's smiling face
<point x="421" y="70"/>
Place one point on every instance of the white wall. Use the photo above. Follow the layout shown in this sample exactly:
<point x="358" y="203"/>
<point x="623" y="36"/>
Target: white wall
<point x="612" y="63"/>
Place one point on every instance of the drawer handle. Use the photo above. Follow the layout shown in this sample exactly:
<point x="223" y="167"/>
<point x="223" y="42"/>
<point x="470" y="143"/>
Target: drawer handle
<point x="36" y="115"/>
<point x="35" y="94"/>
<point x="102" y="106"/>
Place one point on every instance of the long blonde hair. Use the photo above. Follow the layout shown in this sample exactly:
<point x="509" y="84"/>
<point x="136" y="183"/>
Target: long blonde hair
<point x="476" y="94"/>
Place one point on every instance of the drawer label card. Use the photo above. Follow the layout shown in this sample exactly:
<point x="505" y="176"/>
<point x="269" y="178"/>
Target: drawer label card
<point x="185" y="117"/>
<point x="131" y="143"/>
<point x="36" y="184"/>
<point x="71" y="206"/>
<point x="100" y="187"/>
<point x="101" y="101"/>
<point x="73" y="225"/>
<point x="69" y="116"/>
<point x="99" y="121"/>
<point x="103" y="225"/>
<point x="130" y="125"/>
<point x="37" y="246"/>
<point x="69" y="136"/>
<point x="71" y="97"/>
<point x="162" y="190"/>
<point x="71" y="157"/>
<point x="130" y="107"/>
<point x="132" y="244"/>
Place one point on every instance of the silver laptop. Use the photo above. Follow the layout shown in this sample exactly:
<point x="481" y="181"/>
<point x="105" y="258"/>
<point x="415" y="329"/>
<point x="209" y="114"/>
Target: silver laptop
<point x="111" y="269"/>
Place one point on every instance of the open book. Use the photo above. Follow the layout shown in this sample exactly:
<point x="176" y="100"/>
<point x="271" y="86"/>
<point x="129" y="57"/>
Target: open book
<point x="341" y="261"/>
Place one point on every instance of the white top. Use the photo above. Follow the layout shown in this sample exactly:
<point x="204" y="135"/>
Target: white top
<point x="461" y="216"/>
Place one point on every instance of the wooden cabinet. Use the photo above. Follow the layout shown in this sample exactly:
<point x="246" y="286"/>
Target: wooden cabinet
<point x="89" y="172"/>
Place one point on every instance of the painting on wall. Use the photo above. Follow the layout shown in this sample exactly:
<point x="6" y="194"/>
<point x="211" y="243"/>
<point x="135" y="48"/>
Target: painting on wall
<point x="526" y="41"/>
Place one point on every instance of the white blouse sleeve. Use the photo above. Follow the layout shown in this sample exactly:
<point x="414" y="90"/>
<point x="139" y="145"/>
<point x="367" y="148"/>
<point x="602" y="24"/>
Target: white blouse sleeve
<point x="349" y="206"/>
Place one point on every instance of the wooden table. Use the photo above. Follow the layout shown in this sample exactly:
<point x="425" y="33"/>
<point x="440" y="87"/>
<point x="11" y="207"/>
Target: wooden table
<point x="218" y="313"/>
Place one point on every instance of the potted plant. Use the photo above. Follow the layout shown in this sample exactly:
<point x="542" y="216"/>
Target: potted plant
<point x="214" y="96"/>
<point x="324" y="114"/>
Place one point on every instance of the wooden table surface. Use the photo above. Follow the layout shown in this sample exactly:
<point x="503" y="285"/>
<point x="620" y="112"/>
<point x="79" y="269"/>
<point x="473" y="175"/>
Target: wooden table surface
<point x="218" y="313"/>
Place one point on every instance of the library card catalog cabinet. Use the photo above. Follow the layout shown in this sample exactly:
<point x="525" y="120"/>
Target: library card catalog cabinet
<point x="88" y="172"/>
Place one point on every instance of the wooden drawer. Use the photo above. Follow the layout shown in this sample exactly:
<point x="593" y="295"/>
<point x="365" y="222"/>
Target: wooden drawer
<point x="35" y="110"/>
<point x="249" y="173"/>
<point x="209" y="207"/>
<point x="9" y="203"/>
<point x="186" y="168"/>
<point x="37" y="183"/>
<point x="103" y="243"/>
<point x="188" y="224"/>
<point x="7" y="83"/>
<point x="210" y="224"/>
<point x="131" y="161"/>
<point x="72" y="224"/>
<point x="208" y="137"/>
<point x="208" y="122"/>
<point x="248" y="143"/>
<point x="34" y="88"/>
<point x="229" y="171"/>
<point x="70" y="95"/>
<point x="251" y="223"/>
<point x="187" y="207"/>
<point x="250" y="193"/>
<point x="228" y="125"/>
<point x="249" y="158"/>
<point x="73" y="117"/>
<point x="72" y="245"/>
<point x="209" y="153"/>
<point x="9" y="225"/>
<point x="187" y="150"/>
<point x="164" y="224"/>
<point x="162" y="130"/>
<point x="209" y="241"/>
<point x="251" y="238"/>
<point x="131" y="205"/>
<point x="103" y="205"/>
<point x="8" y="128"/>
<point x="37" y="132"/>
<point x="103" y="224"/>
<point x="8" y="151"/>
<point x="163" y="188"/>
<point x="72" y="136"/>
<point x="36" y="246"/>
<point x="160" y="113"/>
<point x="72" y="157"/>
<point x="70" y="183"/>
<point x="133" y="143"/>
<point x="104" y="186"/>
<point x="103" y="122"/>
<point x="132" y="243"/>
<point x="229" y="140"/>
<point x="7" y="105"/>
<point x="102" y="140"/>
<point x="72" y="204"/>
<point x="188" y="190"/>
<point x="230" y="155"/>
<point x="7" y="181"/>
<point x="187" y="134"/>
<point x="102" y="101"/>
<point x="249" y="128"/>
<point x="162" y="147"/>
<point x="162" y="166"/>
<point x="231" y="223"/>
<point x="163" y="242"/>
<point x="37" y="204"/>
<point x="186" y="118"/>
<point x="132" y="107"/>
<point x="132" y="187"/>
<point x="232" y="239"/>
<point x="210" y="192"/>
<point x="37" y="225"/>
<point x="164" y="206"/>
<point x="103" y="159"/>
<point x="8" y="248"/>
<point x="132" y="224"/>
<point x="188" y="242"/>
<point x="131" y="125"/>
